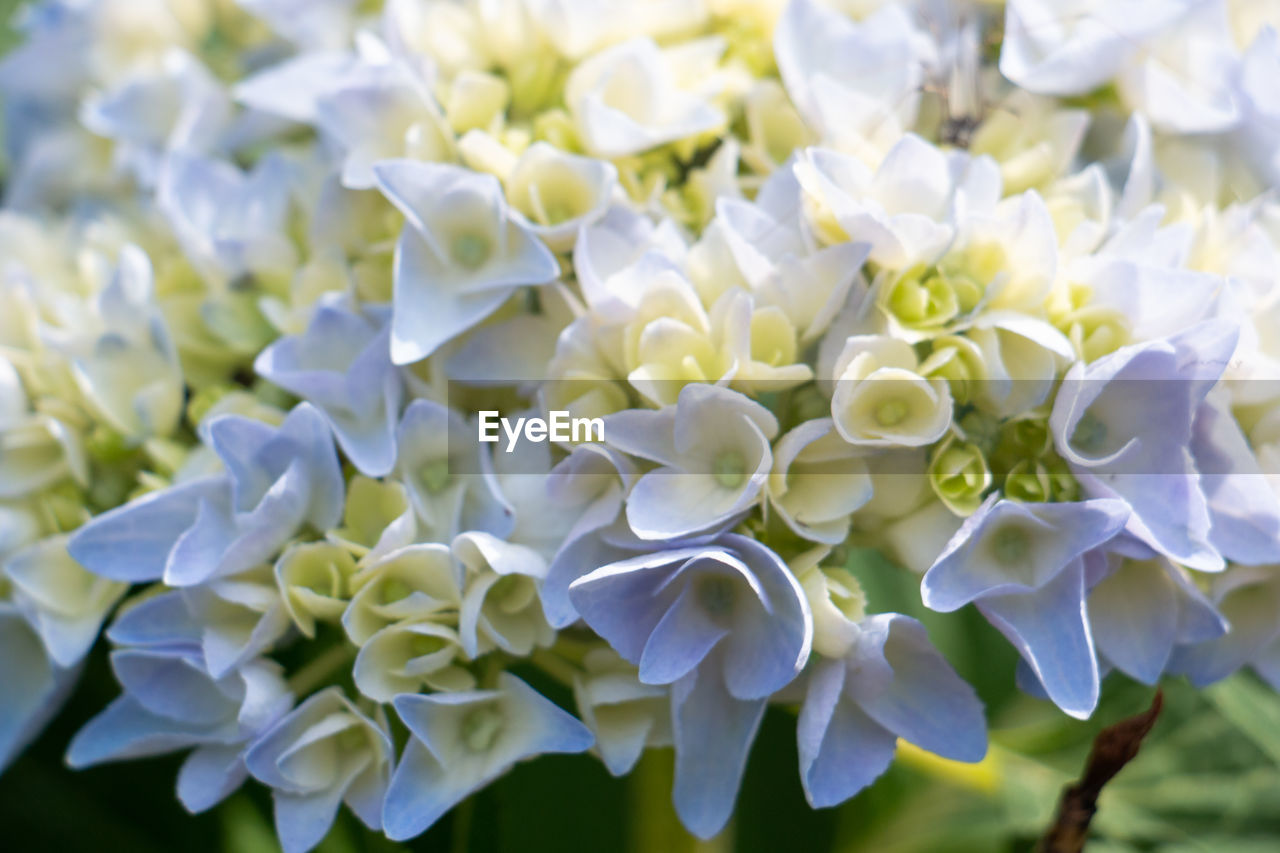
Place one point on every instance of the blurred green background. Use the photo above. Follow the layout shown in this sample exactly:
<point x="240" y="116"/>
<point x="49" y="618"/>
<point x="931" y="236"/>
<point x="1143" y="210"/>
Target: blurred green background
<point x="1207" y="779"/>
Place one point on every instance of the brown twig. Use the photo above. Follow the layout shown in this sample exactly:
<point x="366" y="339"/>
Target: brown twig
<point x="1113" y="748"/>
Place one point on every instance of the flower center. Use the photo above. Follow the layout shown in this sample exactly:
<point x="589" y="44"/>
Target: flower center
<point x="435" y="475"/>
<point x="729" y="469"/>
<point x="890" y="413"/>
<point x="481" y="728"/>
<point x="1090" y="433"/>
<point x="716" y="596"/>
<point x="471" y="250"/>
<point x="1012" y="546"/>
<point x="425" y="644"/>
<point x="394" y="590"/>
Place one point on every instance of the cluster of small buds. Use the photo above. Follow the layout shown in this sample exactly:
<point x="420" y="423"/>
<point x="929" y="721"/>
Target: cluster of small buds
<point x="296" y="298"/>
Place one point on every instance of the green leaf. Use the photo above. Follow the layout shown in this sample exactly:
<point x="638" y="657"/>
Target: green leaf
<point x="1252" y="708"/>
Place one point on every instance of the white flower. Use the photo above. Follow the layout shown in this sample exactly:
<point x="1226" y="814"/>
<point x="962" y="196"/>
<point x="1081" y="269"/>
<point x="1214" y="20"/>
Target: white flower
<point x="36" y="450"/>
<point x="625" y="715"/>
<point x="64" y="603"/>
<point x="460" y="256"/>
<point x="856" y="83"/>
<point x="500" y="605"/>
<point x="555" y="194"/>
<point x="405" y="656"/>
<point x="881" y="401"/>
<point x="322" y="754"/>
<point x="626" y="101"/>
<point x="414" y="582"/>
<point x="122" y="356"/>
<point x="902" y="209"/>
<point x="1174" y="61"/>
<point x="817" y="481"/>
<point x="384" y="113"/>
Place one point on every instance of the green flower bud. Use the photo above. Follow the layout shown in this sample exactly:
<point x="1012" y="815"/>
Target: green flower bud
<point x="314" y="582"/>
<point x="959" y="361"/>
<point x="1028" y="480"/>
<point x="959" y="476"/>
<point x="371" y="506"/>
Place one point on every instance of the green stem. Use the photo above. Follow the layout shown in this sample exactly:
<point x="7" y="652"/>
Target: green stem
<point x="460" y="840"/>
<point x="655" y="827"/>
<point x="318" y="671"/>
<point x="555" y="666"/>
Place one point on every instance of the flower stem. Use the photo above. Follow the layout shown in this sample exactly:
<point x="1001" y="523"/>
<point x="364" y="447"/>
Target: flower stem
<point x="318" y="671"/>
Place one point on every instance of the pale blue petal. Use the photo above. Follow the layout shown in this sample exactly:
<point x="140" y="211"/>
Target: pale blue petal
<point x="1133" y="616"/>
<point x="1058" y="534"/>
<point x="172" y="684"/>
<point x="770" y="642"/>
<point x="713" y="733"/>
<point x="842" y="750"/>
<point x="420" y="793"/>
<point x="209" y="775"/>
<point x="303" y="820"/>
<point x="426" y="313"/>
<point x="123" y="730"/>
<point x="132" y="543"/>
<point x="1243" y="509"/>
<point x="926" y="702"/>
<point x="577" y="559"/>
<point x="33" y="687"/>
<point x="1049" y="628"/>
<point x="680" y="640"/>
<point x="624" y="601"/>
<point x="156" y="621"/>
<point x="1251" y="611"/>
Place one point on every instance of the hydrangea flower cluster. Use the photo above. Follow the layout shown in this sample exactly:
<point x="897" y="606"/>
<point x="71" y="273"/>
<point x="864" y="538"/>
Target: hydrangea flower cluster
<point x="989" y="287"/>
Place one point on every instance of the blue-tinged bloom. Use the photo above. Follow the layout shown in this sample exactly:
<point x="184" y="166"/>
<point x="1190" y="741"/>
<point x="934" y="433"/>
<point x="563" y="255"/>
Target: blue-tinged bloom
<point x="384" y="113"/>
<point x="892" y="684"/>
<point x="460" y="256"/>
<point x="178" y="105"/>
<point x="232" y="619"/>
<point x="1022" y="565"/>
<point x="34" y="685"/>
<point x="591" y="483"/>
<point x="64" y="603"/>
<point x="713" y="446"/>
<point x="439" y="461"/>
<point x="342" y="365"/>
<point x="1124" y="424"/>
<point x="311" y="24"/>
<point x="581" y="556"/>
<point x="292" y="89"/>
<point x="1244" y="511"/>
<point x="323" y="753"/>
<point x="727" y="625"/>
<point x="276" y="481"/>
<point x="463" y="741"/>
<point x="1248" y="598"/>
<point x="170" y="702"/>
<point x="229" y="223"/>
<point x="1143" y="608"/>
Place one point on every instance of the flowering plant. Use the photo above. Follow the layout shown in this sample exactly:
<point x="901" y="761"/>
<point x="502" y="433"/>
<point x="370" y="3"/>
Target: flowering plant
<point x="988" y="289"/>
